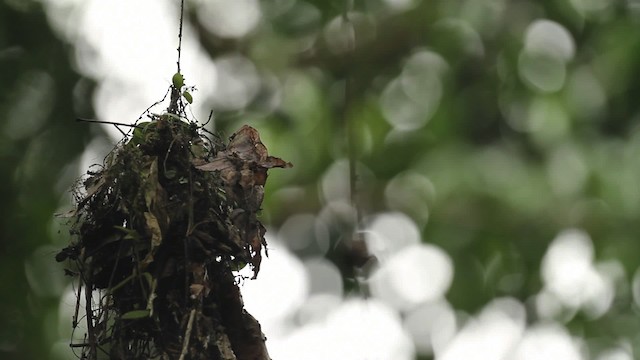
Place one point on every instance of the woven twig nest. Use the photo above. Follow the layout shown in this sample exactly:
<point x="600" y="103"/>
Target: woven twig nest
<point x="158" y="231"/>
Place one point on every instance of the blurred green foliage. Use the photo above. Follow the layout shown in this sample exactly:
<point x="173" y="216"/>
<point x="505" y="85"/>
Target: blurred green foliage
<point x="38" y="142"/>
<point x="514" y="145"/>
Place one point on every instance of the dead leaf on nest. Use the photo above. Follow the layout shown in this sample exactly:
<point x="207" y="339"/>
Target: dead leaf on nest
<point x="243" y="167"/>
<point x="156" y="236"/>
<point x="245" y="145"/>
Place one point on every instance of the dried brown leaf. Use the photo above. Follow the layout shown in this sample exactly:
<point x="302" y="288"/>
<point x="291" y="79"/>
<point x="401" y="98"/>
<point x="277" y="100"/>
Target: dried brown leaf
<point x="245" y="145"/>
<point x="156" y="236"/>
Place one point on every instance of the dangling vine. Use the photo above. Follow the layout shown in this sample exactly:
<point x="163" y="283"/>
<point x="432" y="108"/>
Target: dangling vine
<point x="357" y="254"/>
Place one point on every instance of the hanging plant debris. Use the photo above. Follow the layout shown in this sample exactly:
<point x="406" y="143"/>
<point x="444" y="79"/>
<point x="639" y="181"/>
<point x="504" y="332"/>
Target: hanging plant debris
<point x="157" y="232"/>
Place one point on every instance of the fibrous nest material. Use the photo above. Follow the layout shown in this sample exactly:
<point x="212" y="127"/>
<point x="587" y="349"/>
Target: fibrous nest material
<point x="157" y="232"/>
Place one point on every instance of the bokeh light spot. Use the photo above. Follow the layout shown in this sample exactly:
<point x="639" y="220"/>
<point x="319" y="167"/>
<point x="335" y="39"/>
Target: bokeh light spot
<point x="342" y="34"/>
<point x="566" y="265"/>
<point x="569" y="274"/>
<point x="324" y="277"/>
<point x="229" y="18"/>
<point x="413" y="275"/>
<point x="491" y="335"/>
<point x="409" y="101"/>
<point x="388" y="233"/>
<point x="591" y="7"/>
<point x="549" y="37"/>
<point x="542" y="62"/>
<point x="356" y="329"/>
<point x="615" y="354"/>
<point x="463" y="37"/>
<point x="542" y="72"/>
<point x="401" y="5"/>
<point x="411" y="193"/>
<point x="368" y="329"/>
<point x="567" y="171"/>
<point x="317" y="307"/>
<point x="548" y="341"/>
<point x="270" y="299"/>
<point x="237" y="84"/>
<point x="431" y="325"/>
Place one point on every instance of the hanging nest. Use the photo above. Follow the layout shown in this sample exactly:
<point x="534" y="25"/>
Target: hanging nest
<point x="158" y="231"/>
